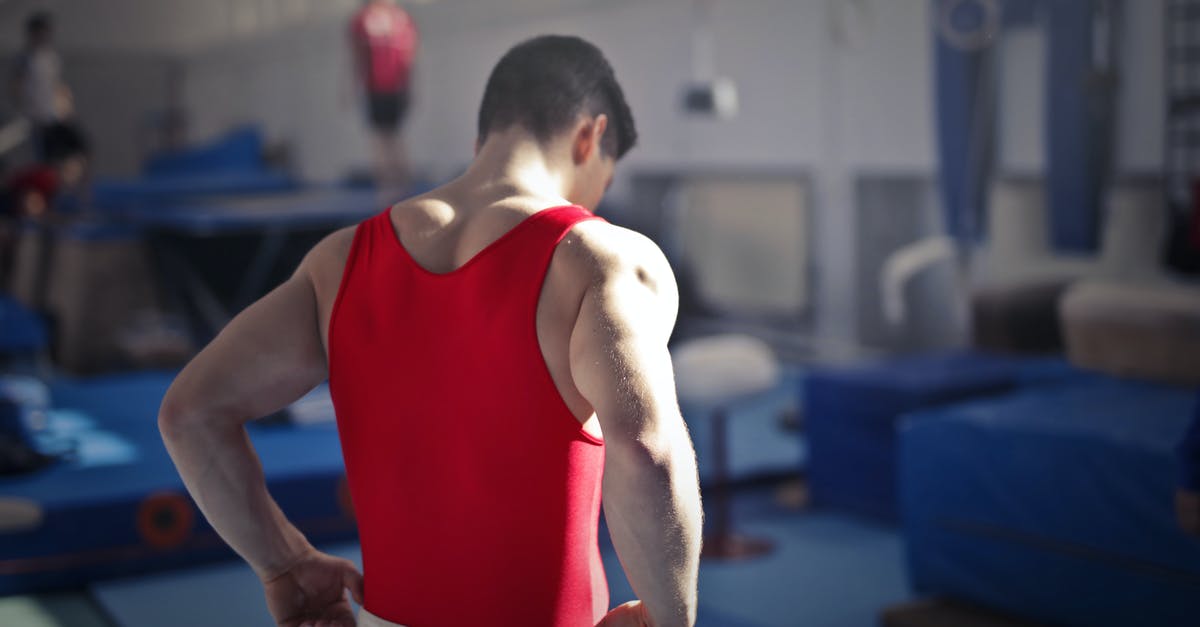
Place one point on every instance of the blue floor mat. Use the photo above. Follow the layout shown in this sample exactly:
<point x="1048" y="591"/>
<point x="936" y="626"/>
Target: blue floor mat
<point x="827" y="570"/>
<point x="758" y="443"/>
<point x="115" y="507"/>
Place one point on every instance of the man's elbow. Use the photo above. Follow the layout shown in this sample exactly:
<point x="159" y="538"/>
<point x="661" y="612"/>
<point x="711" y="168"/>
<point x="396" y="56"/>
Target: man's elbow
<point x="174" y="416"/>
<point x="181" y="413"/>
<point x="652" y="448"/>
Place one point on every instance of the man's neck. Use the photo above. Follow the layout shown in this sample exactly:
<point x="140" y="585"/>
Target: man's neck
<point x="515" y="160"/>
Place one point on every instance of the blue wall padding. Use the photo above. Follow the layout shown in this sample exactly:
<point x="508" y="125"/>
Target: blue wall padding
<point x="21" y="330"/>
<point x="1077" y="122"/>
<point x="90" y="527"/>
<point x="1053" y="504"/>
<point x="1020" y="13"/>
<point x="962" y="162"/>
<point x="1074" y="134"/>
<point x="850" y="415"/>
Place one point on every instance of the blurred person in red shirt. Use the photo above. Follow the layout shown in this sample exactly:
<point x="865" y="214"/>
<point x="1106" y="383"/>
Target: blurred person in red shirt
<point x="30" y="192"/>
<point x="384" y="41"/>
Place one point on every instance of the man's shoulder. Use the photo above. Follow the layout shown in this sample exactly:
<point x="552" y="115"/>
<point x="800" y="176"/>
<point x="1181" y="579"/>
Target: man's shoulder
<point x="325" y="261"/>
<point x="602" y="250"/>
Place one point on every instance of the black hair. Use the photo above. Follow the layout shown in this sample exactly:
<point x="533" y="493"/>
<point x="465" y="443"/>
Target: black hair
<point x="38" y="23"/>
<point x="61" y="141"/>
<point x="544" y="83"/>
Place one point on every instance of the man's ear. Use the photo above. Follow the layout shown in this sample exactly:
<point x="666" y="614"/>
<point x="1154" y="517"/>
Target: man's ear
<point x="588" y="137"/>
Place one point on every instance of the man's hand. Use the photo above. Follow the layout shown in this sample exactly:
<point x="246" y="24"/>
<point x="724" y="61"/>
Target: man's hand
<point x="312" y="593"/>
<point x="631" y="614"/>
<point x="1187" y="509"/>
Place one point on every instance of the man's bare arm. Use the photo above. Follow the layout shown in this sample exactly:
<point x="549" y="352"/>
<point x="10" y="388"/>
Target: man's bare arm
<point x="620" y="363"/>
<point x="267" y="357"/>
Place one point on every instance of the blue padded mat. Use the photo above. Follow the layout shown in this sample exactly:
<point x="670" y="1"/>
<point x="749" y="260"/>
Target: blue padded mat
<point x="308" y="208"/>
<point x="850" y="415"/>
<point x="95" y="504"/>
<point x="828" y="571"/>
<point x="21" y="330"/>
<point x="1054" y="504"/>
<point x="118" y="194"/>
<point x="239" y="150"/>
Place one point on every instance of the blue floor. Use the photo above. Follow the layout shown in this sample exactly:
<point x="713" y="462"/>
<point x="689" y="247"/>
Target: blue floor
<point x="828" y="570"/>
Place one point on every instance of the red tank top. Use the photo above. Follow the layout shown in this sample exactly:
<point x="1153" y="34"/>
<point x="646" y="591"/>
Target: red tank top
<point x="476" y="490"/>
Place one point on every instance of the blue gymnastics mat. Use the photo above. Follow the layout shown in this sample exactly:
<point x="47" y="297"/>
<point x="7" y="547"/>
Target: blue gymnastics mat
<point x="1054" y="504"/>
<point x="117" y="507"/>
<point x="850" y="415"/>
<point x="828" y="570"/>
<point x="316" y="207"/>
<point x="118" y="194"/>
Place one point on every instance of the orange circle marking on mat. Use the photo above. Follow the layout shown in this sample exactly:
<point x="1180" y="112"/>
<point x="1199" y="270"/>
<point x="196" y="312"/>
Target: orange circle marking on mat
<point x="165" y="519"/>
<point x="343" y="497"/>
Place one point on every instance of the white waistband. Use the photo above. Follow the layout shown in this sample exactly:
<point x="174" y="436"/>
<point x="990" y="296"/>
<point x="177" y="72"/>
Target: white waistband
<point x="367" y="619"/>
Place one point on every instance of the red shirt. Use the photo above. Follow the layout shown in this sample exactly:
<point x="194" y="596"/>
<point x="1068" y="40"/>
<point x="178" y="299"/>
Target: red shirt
<point x="386" y="39"/>
<point x="42" y="179"/>
<point x="476" y="490"/>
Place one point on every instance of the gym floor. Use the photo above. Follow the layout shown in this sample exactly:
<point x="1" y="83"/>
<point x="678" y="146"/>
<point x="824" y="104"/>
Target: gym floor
<point x="827" y="569"/>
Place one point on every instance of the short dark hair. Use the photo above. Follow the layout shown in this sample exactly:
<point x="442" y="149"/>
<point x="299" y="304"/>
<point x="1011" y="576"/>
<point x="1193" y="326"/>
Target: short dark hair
<point x="61" y="141"/>
<point x="38" y="23"/>
<point x="542" y="84"/>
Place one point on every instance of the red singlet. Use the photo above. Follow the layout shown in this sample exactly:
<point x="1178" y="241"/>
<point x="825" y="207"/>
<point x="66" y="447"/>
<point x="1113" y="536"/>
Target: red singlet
<point x="477" y="492"/>
<point x="388" y="38"/>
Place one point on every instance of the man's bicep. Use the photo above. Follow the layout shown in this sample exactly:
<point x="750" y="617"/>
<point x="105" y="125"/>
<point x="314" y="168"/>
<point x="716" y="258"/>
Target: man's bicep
<point x="264" y="359"/>
<point x="619" y="357"/>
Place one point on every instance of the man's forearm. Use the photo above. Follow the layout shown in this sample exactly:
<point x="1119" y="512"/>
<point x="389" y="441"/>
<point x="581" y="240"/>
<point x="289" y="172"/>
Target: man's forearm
<point x="225" y="478"/>
<point x="652" y="507"/>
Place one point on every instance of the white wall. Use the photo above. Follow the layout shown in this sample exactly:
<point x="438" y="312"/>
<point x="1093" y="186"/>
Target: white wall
<point x="164" y="26"/>
<point x="1021" y="101"/>
<point x="1140" y="108"/>
<point x="810" y="100"/>
<point x="832" y="87"/>
<point x="882" y="113"/>
<point x="295" y="84"/>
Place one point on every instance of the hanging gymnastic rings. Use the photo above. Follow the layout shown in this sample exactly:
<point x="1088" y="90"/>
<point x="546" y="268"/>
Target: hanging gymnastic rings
<point x="972" y="40"/>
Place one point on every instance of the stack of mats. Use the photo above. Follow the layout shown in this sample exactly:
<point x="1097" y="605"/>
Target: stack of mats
<point x="1053" y="504"/>
<point x="231" y="164"/>
<point x="118" y="194"/>
<point x="850" y="415"/>
<point x="117" y="507"/>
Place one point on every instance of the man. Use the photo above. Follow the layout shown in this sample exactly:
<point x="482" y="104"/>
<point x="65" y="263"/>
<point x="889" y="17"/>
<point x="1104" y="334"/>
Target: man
<point x="1187" y="497"/>
<point x="384" y="42"/>
<point x="479" y="341"/>
<point x="38" y="90"/>
<point x="31" y="191"/>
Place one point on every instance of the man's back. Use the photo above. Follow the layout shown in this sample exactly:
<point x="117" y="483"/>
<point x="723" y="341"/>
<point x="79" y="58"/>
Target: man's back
<point x="477" y="341"/>
<point x="448" y="341"/>
<point x="442" y="232"/>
